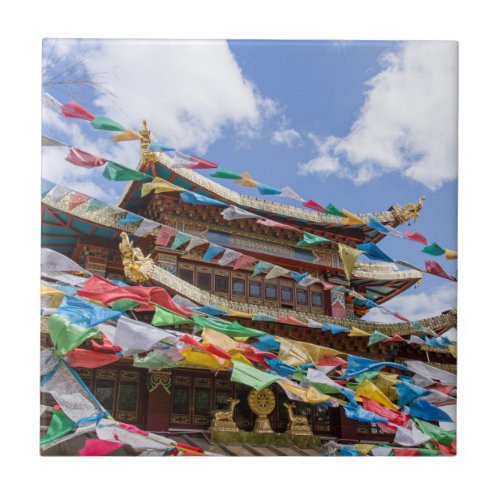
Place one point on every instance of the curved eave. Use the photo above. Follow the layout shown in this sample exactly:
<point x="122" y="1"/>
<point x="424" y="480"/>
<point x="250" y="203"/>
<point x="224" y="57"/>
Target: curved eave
<point x="196" y="182"/>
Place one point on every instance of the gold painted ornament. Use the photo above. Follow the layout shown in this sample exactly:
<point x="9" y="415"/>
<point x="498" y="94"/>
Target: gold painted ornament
<point x="136" y="267"/>
<point x="262" y="403"/>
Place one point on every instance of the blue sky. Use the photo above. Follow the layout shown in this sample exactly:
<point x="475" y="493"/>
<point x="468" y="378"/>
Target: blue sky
<point x="362" y="125"/>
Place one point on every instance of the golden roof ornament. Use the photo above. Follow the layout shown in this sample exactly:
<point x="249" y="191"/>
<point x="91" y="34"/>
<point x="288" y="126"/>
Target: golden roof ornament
<point x="408" y="212"/>
<point x="146" y="138"/>
<point x="136" y="267"/>
<point x="262" y="403"/>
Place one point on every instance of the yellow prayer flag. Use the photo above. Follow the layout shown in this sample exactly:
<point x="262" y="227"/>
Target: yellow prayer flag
<point x="239" y="314"/>
<point x="159" y="185"/>
<point x="127" y="135"/>
<point x="453" y="349"/>
<point x="353" y="218"/>
<point x="386" y="382"/>
<point x="356" y="332"/>
<point x="246" y="180"/>
<point x="239" y="357"/>
<point x="309" y="395"/>
<point x="364" y="448"/>
<point x="292" y="353"/>
<point x="450" y="254"/>
<point x="200" y="359"/>
<point x="51" y="297"/>
<point x="318" y="352"/>
<point x="371" y="391"/>
<point x="218" y="339"/>
<point x="348" y="256"/>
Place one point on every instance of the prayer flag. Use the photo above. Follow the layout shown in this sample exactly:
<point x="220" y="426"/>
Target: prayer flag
<point x="311" y="239"/>
<point x="99" y="448"/>
<point x="427" y="411"/>
<point x="116" y="172"/>
<point x="440" y="435"/>
<point x="77" y="199"/>
<point x="276" y="272"/>
<point x="127" y="135"/>
<point x="377" y="337"/>
<point x="225" y="174"/>
<point x="314" y="206"/>
<point x="353" y="218"/>
<point x="408" y="392"/>
<point x="374" y="252"/>
<point x="374" y="223"/>
<point x="348" y="256"/>
<point x="335" y="329"/>
<point x="411" y="436"/>
<point x="147" y="227"/>
<point x="103" y="123"/>
<point x="434" y="249"/>
<point x="358" y="413"/>
<point x="233" y="329"/>
<point x="420" y="238"/>
<point x="200" y="163"/>
<point x="260" y="267"/>
<point x="248" y="375"/>
<point x="199" y="199"/>
<point x="450" y="254"/>
<point x="228" y="257"/>
<point x="371" y="391"/>
<point x="159" y="185"/>
<point x="156" y="147"/>
<point x="333" y="210"/>
<point x="65" y="335"/>
<point x="212" y="251"/>
<point x="357" y="365"/>
<point x="246" y="180"/>
<point x="74" y="110"/>
<point x="357" y="332"/>
<point x="164" y="236"/>
<point x="130" y="218"/>
<point x="264" y="189"/>
<point x="195" y="242"/>
<point x="393" y="416"/>
<point x="60" y="425"/>
<point x="243" y="261"/>
<point x="84" y="159"/>
<point x="180" y="239"/>
<point x="124" y="304"/>
<point x="279" y="225"/>
<point x="84" y="358"/>
<point x="431" y="372"/>
<point x="233" y="213"/>
<point x="288" y="192"/>
<point x="164" y="317"/>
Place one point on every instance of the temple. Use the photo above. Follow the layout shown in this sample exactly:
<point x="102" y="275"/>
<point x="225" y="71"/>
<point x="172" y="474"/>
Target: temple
<point x="182" y="401"/>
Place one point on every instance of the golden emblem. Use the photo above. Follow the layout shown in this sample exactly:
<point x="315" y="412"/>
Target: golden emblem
<point x="222" y="420"/>
<point x="297" y="424"/>
<point x="409" y="211"/>
<point x="136" y="267"/>
<point x="262" y="403"/>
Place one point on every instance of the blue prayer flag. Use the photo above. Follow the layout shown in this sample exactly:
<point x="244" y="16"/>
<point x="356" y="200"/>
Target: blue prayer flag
<point x="427" y="411"/>
<point x="212" y="251"/>
<point x="357" y="365"/>
<point x="199" y="199"/>
<point x="408" y="392"/>
<point x="85" y="313"/>
<point x="373" y="252"/>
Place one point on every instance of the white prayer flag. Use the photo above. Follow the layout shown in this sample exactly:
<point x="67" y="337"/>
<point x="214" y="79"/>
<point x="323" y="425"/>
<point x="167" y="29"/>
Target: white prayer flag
<point x="431" y="372"/>
<point x="411" y="436"/>
<point x="50" y="260"/>
<point x="147" y="226"/>
<point x="233" y="213"/>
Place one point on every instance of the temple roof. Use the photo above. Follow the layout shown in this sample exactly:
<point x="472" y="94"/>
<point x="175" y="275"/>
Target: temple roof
<point x="159" y="165"/>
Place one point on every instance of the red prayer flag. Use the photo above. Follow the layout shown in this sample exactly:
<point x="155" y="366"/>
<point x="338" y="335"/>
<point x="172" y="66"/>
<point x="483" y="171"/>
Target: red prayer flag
<point x="445" y="389"/>
<point x="333" y="361"/>
<point x="395" y="338"/>
<point x="74" y="110"/>
<point x="432" y="267"/>
<point x="243" y="261"/>
<point x="77" y="199"/>
<point x="202" y="163"/>
<point x="165" y="234"/>
<point x="327" y="286"/>
<point x="416" y="237"/>
<point x="314" y="205"/>
<point x="84" y="159"/>
<point x="400" y="316"/>
<point x="386" y="428"/>
<point x="394" y="417"/>
<point x="84" y="358"/>
<point x="105" y="346"/>
<point x="99" y="447"/>
<point x="406" y="452"/>
<point x="279" y="225"/>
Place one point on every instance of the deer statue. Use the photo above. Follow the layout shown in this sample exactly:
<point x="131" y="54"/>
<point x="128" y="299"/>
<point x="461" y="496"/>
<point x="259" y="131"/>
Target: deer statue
<point x="223" y="419"/>
<point x="297" y="424"/>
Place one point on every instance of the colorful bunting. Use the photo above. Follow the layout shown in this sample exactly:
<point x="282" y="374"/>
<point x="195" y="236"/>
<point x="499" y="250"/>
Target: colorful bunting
<point x="374" y="252"/>
<point x="248" y="375"/>
<point x="225" y="174"/>
<point x="348" y="256"/>
<point x="314" y="206"/>
<point x="127" y="135"/>
<point x="234" y="213"/>
<point x="84" y="159"/>
<point x="116" y="172"/>
<point x="434" y="249"/>
<point x="309" y="239"/>
<point x="264" y="189"/>
<point x="159" y="185"/>
<point x="77" y="199"/>
<point x="333" y="210"/>
<point x="278" y="225"/>
<point x="246" y="180"/>
<point x="212" y="251"/>
<point x="103" y="123"/>
<point x="164" y="317"/>
<point x="199" y="199"/>
<point x="156" y="147"/>
<point x="416" y="237"/>
<point x="84" y="358"/>
<point x="180" y="239"/>
<point x="74" y="110"/>
<point x="288" y="192"/>
<point x="432" y="267"/>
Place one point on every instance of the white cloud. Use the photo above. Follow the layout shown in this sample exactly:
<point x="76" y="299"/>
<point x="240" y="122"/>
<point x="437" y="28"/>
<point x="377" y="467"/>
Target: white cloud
<point x="418" y="305"/>
<point x="289" y="137"/>
<point x="407" y="124"/>
<point x="188" y="91"/>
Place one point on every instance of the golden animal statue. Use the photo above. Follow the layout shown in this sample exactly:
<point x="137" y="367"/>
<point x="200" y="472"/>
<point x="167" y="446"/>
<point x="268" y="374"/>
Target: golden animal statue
<point x="136" y="267"/>
<point x="222" y="420"/>
<point x="409" y="211"/>
<point x="297" y="424"/>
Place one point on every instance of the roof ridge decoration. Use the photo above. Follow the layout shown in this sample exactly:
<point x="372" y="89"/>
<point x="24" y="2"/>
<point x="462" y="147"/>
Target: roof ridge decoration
<point x="265" y="205"/>
<point x="106" y="218"/>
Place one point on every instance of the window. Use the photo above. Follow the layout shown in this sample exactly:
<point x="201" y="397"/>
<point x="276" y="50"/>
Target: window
<point x="286" y="294"/>
<point x="202" y="402"/>
<point x="317" y="299"/>
<point x="302" y="298"/>
<point x="221" y="283"/>
<point x="204" y="281"/>
<point x="105" y="393"/>
<point x="238" y="287"/>
<point x="254" y="289"/>
<point x="180" y="400"/>
<point x="186" y="275"/>
<point x="127" y="397"/>
<point x="271" y="293"/>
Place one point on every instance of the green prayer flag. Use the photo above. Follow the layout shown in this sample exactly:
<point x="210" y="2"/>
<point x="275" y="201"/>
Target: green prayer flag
<point x="116" y="172"/>
<point x="124" y="304"/>
<point x="164" y="317"/>
<point x="425" y="452"/>
<point x="434" y="249"/>
<point x="435" y="432"/>
<point x="311" y="239"/>
<point x="231" y="329"/>
<point x="325" y="388"/>
<point x="154" y="361"/>
<point x="377" y="336"/>
<point x="248" y="375"/>
<point x="333" y="210"/>
<point x="225" y="174"/>
<point x="67" y="336"/>
<point x="103" y="123"/>
<point x="59" y="426"/>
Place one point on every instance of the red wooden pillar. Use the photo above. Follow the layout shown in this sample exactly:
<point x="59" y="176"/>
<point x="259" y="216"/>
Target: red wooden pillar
<point x="158" y="414"/>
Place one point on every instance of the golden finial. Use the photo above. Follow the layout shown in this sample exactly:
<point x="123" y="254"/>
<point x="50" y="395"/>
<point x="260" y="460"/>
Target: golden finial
<point x="409" y="211"/>
<point x="146" y="139"/>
